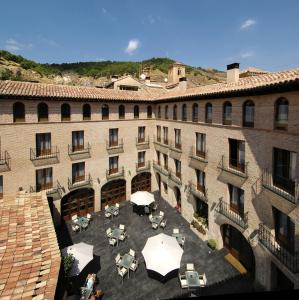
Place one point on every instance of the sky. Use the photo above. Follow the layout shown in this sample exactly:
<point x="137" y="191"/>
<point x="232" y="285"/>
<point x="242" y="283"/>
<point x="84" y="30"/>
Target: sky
<point x="205" y="33"/>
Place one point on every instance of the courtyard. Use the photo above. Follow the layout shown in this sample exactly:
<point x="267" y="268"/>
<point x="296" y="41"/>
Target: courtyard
<point x="222" y="278"/>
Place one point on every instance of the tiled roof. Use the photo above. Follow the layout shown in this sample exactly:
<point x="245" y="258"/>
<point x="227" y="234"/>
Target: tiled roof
<point x="29" y="252"/>
<point x="60" y="92"/>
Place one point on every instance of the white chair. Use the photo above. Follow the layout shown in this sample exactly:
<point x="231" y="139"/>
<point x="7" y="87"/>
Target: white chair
<point x="106" y="207"/>
<point x="123" y="236"/>
<point x="88" y="216"/>
<point x="161" y="213"/>
<point x="150" y="217"/>
<point x="154" y="225"/>
<point x="122" y="272"/>
<point x="132" y="252"/>
<point x="183" y="281"/>
<point x="74" y="218"/>
<point x="154" y="206"/>
<point x="190" y="267"/>
<point x="117" y="259"/>
<point x="107" y="214"/>
<point x="121" y="226"/>
<point x="116" y="213"/>
<point x="112" y="241"/>
<point x="134" y="265"/>
<point x="163" y="223"/>
<point x="75" y="227"/>
<point x="117" y="205"/>
<point x="84" y="225"/>
<point x="203" y="280"/>
<point x="109" y="232"/>
<point x="175" y="230"/>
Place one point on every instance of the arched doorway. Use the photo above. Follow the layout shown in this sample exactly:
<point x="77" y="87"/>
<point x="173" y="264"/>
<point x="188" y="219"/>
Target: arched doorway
<point x="113" y="192"/>
<point x="141" y="182"/>
<point x="80" y="202"/>
<point x="238" y="246"/>
<point x="177" y="194"/>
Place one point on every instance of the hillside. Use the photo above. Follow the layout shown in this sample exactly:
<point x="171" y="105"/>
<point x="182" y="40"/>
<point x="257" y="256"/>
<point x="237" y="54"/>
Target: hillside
<point x="15" y="67"/>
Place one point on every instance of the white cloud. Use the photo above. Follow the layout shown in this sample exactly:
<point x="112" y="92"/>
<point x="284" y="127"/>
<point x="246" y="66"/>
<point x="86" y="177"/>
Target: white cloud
<point x="133" y="45"/>
<point x="12" y="45"/>
<point x="248" y="23"/>
<point x="104" y="10"/>
<point x="151" y="19"/>
<point x="247" y="54"/>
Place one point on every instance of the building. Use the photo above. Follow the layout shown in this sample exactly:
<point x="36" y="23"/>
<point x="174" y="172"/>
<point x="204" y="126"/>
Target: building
<point x="226" y="152"/>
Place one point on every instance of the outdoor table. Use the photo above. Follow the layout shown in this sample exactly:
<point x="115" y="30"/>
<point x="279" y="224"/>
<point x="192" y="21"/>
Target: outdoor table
<point x="112" y="209"/>
<point x="157" y="219"/>
<point x="126" y="262"/>
<point x="81" y="221"/>
<point x="116" y="233"/>
<point x="179" y="237"/>
<point x="192" y="278"/>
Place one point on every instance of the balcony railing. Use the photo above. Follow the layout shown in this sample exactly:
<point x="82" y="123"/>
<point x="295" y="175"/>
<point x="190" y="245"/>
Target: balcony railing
<point x="36" y="154"/>
<point x="286" y="188"/>
<point x="266" y="238"/>
<point x="49" y="188"/>
<point x="175" y="176"/>
<point x="160" y="168"/>
<point x="115" y="147"/>
<point x="224" y="209"/>
<point x="198" y="191"/>
<point x="233" y="166"/>
<point x="115" y="173"/>
<point x="199" y="155"/>
<point x="142" y="143"/>
<point x="143" y="166"/>
<point x="81" y="149"/>
<point x="79" y="181"/>
<point x="5" y="159"/>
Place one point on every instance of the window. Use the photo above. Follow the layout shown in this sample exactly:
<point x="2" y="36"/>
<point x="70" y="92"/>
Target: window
<point x="165" y="157"/>
<point x="18" y="112"/>
<point x="177" y="138"/>
<point x="159" y="112"/>
<point x="158" y="157"/>
<point x="184" y="112"/>
<point x="141" y="134"/>
<point x="284" y="170"/>
<point x="236" y="196"/>
<point x="42" y="112"/>
<point x="65" y="112"/>
<point x="209" y="113"/>
<point x="78" y="172"/>
<point x="86" y="112"/>
<point x="1" y="187"/>
<point x="121" y="112"/>
<point x="177" y="168"/>
<point x="200" y="144"/>
<point x="105" y="112"/>
<point x="248" y="114"/>
<point x="141" y="159"/>
<point x="165" y="188"/>
<point x="195" y="112"/>
<point x="158" y="133"/>
<point x="237" y="155"/>
<point x="227" y="113"/>
<point x="44" y="180"/>
<point x="136" y="112"/>
<point x="200" y="180"/>
<point x="113" y="137"/>
<point x="165" y="135"/>
<point x="175" y="112"/>
<point x="166" y="112"/>
<point x="149" y="112"/>
<point x="77" y="140"/>
<point x="113" y="164"/>
<point x="202" y="210"/>
<point x="43" y="144"/>
<point x="179" y="71"/>
<point x="281" y="114"/>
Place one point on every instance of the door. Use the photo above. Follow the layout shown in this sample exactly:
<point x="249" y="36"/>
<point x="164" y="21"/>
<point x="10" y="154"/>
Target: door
<point x="113" y="192"/>
<point x="141" y="182"/>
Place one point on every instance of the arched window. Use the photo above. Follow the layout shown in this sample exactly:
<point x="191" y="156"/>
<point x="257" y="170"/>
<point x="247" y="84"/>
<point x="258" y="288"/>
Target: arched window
<point x="105" y="112"/>
<point x="159" y="112"/>
<point x="65" y="112"/>
<point x="227" y="113"/>
<point x="18" y="112"/>
<point x="175" y="112"/>
<point x="121" y="112"/>
<point x="42" y="112"/>
<point x="86" y="112"/>
<point x="136" y="112"/>
<point x="195" y="112"/>
<point x="281" y="114"/>
<point x="184" y="112"/>
<point x="166" y="112"/>
<point x="248" y="114"/>
<point x="149" y="112"/>
<point x="209" y="113"/>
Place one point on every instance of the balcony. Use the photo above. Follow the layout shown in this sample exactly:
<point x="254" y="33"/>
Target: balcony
<point x="198" y="191"/>
<point x="285" y="188"/>
<point x="50" y="189"/>
<point x="115" y="147"/>
<point x="41" y="157"/>
<point x="225" y="209"/>
<point x="175" y="177"/>
<point x="198" y="159"/>
<point x="79" y="152"/>
<point x="84" y="181"/>
<point x="160" y="168"/>
<point x="159" y="146"/>
<point x="142" y="144"/>
<point x="4" y="161"/>
<point x="116" y="173"/>
<point x="143" y="167"/>
<point x="267" y="239"/>
<point x="175" y="150"/>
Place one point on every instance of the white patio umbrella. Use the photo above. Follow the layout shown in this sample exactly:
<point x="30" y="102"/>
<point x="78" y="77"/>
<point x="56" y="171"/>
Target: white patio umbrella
<point x="83" y="254"/>
<point x="162" y="254"/>
<point x="142" y="198"/>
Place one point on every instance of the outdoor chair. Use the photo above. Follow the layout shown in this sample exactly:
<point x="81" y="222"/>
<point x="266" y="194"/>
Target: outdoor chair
<point x="121" y="226"/>
<point x="106" y="207"/>
<point x="154" y="206"/>
<point x="175" y="230"/>
<point x="117" y="205"/>
<point x="107" y="214"/>
<point x="116" y="213"/>
<point x="132" y="252"/>
<point x="74" y="218"/>
<point x="117" y="259"/>
<point x="150" y="217"/>
<point x="123" y="236"/>
<point x="183" y="281"/>
<point x="108" y="232"/>
<point x="75" y="228"/>
<point x="163" y="223"/>
<point x="88" y="216"/>
<point x="112" y="241"/>
<point x="146" y="210"/>
<point x="190" y="267"/>
<point x="154" y="225"/>
<point x="161" y="213"/>
<point x="84" y="225"/>
<point x="122" y="272"/>
<point x="202" y="280"/>
<point x="134" y="265"/>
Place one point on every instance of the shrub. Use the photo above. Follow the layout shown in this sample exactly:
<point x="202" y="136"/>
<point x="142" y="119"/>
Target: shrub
<point x="68" y="264"/>
<point x="212" y="243"/>
<point x="195" y="215"/>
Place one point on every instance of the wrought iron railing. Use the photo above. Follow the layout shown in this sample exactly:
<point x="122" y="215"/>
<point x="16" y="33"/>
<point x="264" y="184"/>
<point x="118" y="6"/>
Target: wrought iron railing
<point x="175" y="176"/>
<point x="142" y="140"/>
<point x="49" y="188"/>
<point x="200" y="155"/>
<point x="232" y="166"/>
<point x="199" y="191"/>
<point x="160" y="168"/>
<point x="112" y="145"/>
<point x="5" y="159"/>
<point x="145" y="166"/>
<point x="72" y="150"/>
<point x="36" y="154"/>
<point x="76" y="181"/>
<point x="266" y="238"/>
<point x="112" y="173"/>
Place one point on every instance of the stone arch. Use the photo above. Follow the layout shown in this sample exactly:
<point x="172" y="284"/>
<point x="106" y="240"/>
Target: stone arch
<point x="141" y="182"/>
<point x="113" y="192"/>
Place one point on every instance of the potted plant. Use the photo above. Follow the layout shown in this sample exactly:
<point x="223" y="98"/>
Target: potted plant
<point x="212" y="244"/>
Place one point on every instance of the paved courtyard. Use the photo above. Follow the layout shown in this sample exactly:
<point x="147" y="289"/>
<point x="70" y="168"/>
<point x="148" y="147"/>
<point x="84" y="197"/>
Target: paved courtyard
<point x="221" y="276"/>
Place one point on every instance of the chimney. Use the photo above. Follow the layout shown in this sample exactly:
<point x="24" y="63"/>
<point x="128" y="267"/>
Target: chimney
<point x="232" y="74"/>
<point x="147" y="79"/>
<point x="183" y="84"/>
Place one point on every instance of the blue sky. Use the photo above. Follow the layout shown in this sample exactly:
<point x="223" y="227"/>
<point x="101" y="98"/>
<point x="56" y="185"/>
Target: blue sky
<point x="206" y="33"/>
